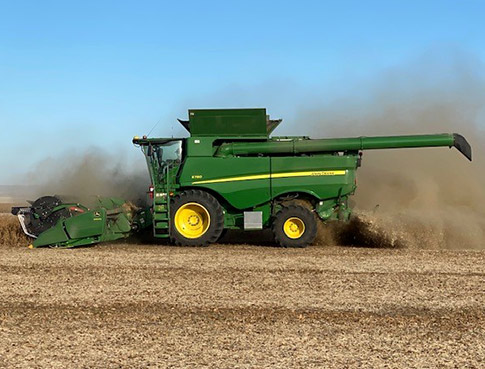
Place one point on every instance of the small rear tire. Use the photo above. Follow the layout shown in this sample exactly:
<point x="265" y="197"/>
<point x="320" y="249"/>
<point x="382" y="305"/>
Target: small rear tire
<point x="196" y="218"/>
<point x="294" y="226"/>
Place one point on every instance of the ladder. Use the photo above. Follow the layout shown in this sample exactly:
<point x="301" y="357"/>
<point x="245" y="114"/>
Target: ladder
<point x="161" y="208"/>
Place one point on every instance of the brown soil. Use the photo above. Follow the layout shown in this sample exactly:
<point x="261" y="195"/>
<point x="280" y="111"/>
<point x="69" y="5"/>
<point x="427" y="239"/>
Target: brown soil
<point x="240" y="306"/>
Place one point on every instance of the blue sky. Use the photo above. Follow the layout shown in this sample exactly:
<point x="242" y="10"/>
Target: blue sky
<point x="96" y="73"/>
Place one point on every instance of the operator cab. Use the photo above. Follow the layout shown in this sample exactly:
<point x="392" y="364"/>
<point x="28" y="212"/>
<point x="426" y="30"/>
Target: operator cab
<point x="165" y="154"/>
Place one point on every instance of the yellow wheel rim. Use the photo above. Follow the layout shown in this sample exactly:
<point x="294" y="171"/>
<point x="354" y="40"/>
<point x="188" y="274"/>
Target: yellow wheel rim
<point x="294" y="227"/>
<point x="192" y="220"/>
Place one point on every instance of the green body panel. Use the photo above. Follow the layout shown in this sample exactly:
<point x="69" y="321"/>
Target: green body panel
<point x="237" y="179"/>
<point x="89" y="224"/>
<point x="234" y="218"/>
<point x="200" y="146"/>
<point x="223" y="122"/>
<point x="321" y="183"/>
<point x="239" y="193"/>
<point x="52" y="236"/>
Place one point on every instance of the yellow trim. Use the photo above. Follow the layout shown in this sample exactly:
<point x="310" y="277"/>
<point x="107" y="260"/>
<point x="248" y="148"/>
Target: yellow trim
<point x="315" y="173"/>
<point x="233" y="179"/>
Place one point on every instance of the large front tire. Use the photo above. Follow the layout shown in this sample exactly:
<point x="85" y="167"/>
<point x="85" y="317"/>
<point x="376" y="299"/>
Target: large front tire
<point x="294" y="226"/>
<point x="196" y="219"/>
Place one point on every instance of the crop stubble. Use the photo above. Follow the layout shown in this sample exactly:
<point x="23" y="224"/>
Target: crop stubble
<point x="241" y="306"/>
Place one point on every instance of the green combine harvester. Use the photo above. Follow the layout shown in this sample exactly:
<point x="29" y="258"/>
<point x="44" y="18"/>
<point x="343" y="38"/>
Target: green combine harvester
<point x="229" y="174"/>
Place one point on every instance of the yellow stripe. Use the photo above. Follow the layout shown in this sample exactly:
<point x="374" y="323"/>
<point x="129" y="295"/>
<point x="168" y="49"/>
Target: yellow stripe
<point x="276" y="175"/>
<point x="232" y="179"/>
<point x="310" y="174"/>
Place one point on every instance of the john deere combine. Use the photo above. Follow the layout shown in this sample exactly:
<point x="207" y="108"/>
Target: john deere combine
<point x="230" y="174"/>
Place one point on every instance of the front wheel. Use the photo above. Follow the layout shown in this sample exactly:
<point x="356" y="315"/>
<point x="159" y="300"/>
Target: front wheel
<point x="294" y="226"/>
<point x="196" y="218"/>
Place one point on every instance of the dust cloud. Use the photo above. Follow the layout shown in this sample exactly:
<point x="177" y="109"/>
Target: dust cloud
<point x="10" y="232"/>
<point x="422" y="198"/>
<point x="94" y="172"/>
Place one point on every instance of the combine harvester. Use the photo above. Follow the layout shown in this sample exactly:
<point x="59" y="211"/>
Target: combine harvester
<point x="229" y="174"/>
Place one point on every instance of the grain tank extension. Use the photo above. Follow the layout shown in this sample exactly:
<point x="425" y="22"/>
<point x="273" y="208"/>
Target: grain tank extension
<point x="231" y="174"/>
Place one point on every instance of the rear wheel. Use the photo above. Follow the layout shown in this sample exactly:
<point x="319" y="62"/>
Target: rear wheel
<point x="294" y="226"/>
<point x="196" y="218"/>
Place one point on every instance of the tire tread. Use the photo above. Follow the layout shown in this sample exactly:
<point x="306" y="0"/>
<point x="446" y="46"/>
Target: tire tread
<point x="301" y="212"/>
<point x="215" y="228"/>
